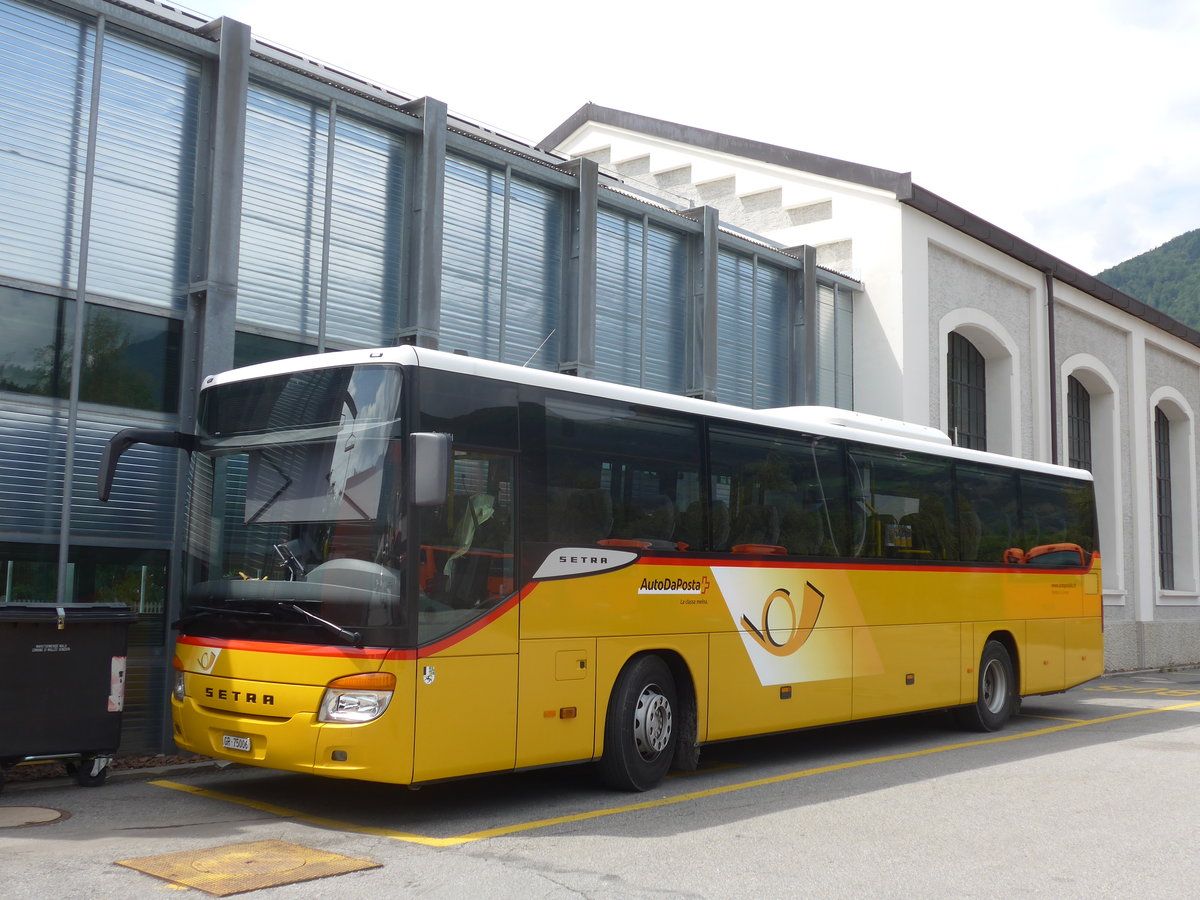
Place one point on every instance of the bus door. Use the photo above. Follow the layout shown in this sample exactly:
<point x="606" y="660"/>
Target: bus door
<point x="466" y="672"/>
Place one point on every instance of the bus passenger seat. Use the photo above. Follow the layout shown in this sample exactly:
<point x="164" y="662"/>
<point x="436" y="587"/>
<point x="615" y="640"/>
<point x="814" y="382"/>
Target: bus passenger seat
<point x="580" y="516"/>
<point x="802" y="531"/>
<point x="650" y="520"/>
<point x="589" y="515"/>
<point x="720" y="524"/>
<point x="756" y="525"/>
<point x="690" y="529"/>
<point x="970" y="529"/>
<point x="929" y="529"/>
<point x="690" y="526"/>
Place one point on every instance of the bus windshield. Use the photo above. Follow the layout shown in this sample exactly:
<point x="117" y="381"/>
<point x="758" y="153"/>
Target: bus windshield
<point x="295" y="527"/>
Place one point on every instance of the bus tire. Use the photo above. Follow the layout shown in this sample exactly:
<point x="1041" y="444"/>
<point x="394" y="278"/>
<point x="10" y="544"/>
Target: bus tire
<point x="996" y="698"/>
<point x="640" y="733"/>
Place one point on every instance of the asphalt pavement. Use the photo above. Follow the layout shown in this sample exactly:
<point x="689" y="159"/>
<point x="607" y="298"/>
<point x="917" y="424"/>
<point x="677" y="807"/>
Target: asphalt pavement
<point x="1092" y="793"/>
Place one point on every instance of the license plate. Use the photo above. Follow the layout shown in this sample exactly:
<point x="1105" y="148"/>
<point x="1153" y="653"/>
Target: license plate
<point x="232" y="742"/>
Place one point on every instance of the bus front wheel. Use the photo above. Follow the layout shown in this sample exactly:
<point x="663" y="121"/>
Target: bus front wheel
<point x="640" y="732"/>
<point x="997" y="695"/>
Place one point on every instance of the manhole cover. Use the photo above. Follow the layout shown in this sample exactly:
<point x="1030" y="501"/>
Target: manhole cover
<point x="237" y="868"/>
<point x="20" y="816"/>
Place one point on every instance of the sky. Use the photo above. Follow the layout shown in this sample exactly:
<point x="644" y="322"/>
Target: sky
<point x="1074" y="125"/>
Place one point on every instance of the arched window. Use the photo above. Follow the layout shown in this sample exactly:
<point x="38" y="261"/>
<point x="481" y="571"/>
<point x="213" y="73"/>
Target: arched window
<point x="1162" y="481"/>
<point x="966" y="387"/>
<point x="1174" y="474"/>
<point x="1091" y="430"/>
<point x="1079" y="425"/>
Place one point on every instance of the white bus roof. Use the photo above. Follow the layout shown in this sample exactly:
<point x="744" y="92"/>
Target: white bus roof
<point x="819" y="420"/>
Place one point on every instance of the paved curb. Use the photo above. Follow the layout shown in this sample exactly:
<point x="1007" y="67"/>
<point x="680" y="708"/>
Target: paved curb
<point x="114" y="775"/>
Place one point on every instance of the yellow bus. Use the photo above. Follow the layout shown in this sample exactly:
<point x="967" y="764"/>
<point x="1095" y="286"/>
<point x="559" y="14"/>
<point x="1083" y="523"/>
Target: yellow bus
<point x="405" y="566"/>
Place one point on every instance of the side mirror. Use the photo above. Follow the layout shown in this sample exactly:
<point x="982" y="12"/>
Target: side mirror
<point x="123" y="440"/>
<point x="431" y="468"/>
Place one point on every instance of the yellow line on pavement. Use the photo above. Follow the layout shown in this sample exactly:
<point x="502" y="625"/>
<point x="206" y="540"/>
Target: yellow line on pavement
<point x="516" y="828"/>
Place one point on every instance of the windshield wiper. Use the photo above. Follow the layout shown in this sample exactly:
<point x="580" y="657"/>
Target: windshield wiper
<point x="351" y="636"/>
<point x="203" y="612"/>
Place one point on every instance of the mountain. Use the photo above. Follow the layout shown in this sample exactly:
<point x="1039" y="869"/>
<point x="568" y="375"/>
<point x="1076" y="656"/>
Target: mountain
<point x="1167" y="278"/>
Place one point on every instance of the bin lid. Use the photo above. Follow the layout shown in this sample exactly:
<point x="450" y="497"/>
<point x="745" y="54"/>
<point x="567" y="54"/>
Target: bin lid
<point x="71" y="613"/>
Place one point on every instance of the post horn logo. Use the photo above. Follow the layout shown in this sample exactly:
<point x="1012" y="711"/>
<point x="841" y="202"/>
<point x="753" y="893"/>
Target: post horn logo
<point x="780" y="617"/>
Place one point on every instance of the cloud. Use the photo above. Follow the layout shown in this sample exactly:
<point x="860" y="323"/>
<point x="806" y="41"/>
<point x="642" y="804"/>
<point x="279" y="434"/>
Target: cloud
<point x="1153" y="15"/>
<point x="1108" y="226"/>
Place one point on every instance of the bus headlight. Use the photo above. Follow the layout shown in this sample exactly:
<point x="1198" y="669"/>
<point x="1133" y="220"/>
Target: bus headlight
<point x="357" y="698"/>
<point x="177" y="689"/>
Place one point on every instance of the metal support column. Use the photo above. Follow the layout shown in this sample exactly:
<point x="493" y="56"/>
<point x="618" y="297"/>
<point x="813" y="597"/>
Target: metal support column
<point x="424" y="302"/>
<point x="64" y="587"/>
<point x="702" y="316"/>
<point x="215" y="303"/>
<point x="812" y="335"/>
<point x="577" y="353"/>
<point x="799" y="324"/>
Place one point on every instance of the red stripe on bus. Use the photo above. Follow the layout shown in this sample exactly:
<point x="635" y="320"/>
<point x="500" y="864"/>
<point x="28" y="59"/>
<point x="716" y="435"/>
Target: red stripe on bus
<point x="478" y="625"/>
<point x="287" y="649"/>
<point x="372" y="653"/>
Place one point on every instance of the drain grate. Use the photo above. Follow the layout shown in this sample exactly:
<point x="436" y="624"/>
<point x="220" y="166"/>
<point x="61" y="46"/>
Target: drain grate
<point x="237" y="868"/>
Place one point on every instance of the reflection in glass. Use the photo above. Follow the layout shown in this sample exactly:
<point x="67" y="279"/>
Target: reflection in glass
<point x="131" y="359"/>
<point x="903" y="504"/>
<point x="786" y="493"/>
<point x="249" y="349"/>
<point x="295" y="527"/>
<point x="28" y="573"/>
<point x="35" y="343"/>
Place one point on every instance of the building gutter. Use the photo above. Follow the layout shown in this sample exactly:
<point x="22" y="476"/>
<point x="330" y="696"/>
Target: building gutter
<point x="1053" y="380"/>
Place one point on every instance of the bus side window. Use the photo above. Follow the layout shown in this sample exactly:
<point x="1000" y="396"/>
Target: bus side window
<point x="1059" y="519"/>
<point x="470" y="549"/>
<point x="906" y="506"/>
<point x="618" y="472"/>
<point x="988" y="514"/>
<point x="785" y="494"/>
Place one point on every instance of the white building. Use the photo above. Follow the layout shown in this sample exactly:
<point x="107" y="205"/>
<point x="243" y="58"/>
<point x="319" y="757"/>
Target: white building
<point x="968" y="328"/>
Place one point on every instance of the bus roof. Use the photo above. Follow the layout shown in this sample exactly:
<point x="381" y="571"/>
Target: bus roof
<point x="818" y="420"/>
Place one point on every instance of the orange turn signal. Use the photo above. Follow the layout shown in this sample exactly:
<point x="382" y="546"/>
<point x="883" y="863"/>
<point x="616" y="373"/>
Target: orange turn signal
<point x="368" y="681"/>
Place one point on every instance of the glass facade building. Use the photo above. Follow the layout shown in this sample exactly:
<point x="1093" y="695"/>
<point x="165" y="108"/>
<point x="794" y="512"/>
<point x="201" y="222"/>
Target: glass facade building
<point x="176" y="198"/>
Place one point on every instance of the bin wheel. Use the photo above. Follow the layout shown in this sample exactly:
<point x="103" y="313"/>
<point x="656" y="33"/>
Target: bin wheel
<point x="92" y="770"/>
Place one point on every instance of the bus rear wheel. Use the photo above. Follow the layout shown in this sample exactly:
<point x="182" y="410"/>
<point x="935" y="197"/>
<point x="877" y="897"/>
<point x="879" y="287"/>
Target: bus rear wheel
<point x="997" y="695"/>
<point x="640" y="732"/>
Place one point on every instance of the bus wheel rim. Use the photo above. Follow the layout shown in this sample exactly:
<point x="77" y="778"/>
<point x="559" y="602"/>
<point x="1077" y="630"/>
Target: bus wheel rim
<point x="994" y="686"/>
<point x="652" y="722"/>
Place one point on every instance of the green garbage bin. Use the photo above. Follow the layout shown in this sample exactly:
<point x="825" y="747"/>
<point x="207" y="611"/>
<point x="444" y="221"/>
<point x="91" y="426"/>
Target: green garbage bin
<point x="62" y="684"/>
